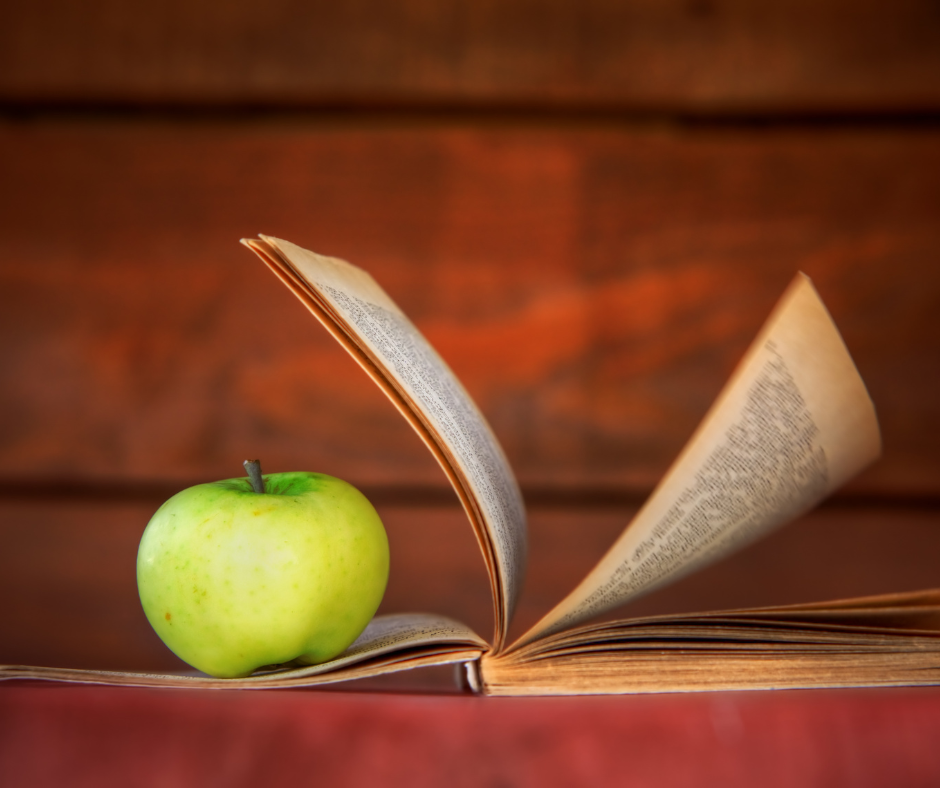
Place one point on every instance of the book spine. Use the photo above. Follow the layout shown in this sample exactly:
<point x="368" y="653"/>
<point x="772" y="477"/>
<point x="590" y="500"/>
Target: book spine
<point x="468" y="676"/>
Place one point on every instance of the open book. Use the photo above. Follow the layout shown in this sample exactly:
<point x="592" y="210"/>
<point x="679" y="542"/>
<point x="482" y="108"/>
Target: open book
<point x="793" y="423"/>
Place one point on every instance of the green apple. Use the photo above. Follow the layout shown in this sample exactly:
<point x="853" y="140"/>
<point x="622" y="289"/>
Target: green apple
<point x="234" y="575"/>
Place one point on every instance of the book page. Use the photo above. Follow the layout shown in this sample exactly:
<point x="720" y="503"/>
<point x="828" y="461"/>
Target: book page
<point x="906" y="662"/>
<point x="891" y="639"/>
<point x="394" y="353"/>
<point x="887" y="615"/>
<point x="392" y="642"/>
<point x="793" y="423"/>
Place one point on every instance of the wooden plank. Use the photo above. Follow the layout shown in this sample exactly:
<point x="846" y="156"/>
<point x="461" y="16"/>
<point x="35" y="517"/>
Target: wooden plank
<point x="704" y="56"/>
<point x="108" y="737"/>
<point x="593" y="287"/>
<point x="67" y="572"/>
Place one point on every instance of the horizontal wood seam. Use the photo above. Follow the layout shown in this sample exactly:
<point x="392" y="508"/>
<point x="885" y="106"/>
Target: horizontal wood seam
<point x="410" y="495"/>
<point x="366" y="112"/>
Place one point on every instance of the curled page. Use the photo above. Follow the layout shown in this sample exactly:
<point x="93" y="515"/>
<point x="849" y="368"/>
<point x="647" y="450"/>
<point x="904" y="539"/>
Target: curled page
<point x="388" y="644"/>
<point x="355" y="309"/>
<point x="793" y="423"/>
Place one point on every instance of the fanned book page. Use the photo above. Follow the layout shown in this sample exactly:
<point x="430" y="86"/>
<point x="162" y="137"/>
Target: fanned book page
<point x="355" y="309"/>
<point x="792" y="424"/>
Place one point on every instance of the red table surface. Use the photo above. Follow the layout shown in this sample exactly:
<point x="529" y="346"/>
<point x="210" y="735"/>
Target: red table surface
<point x="96" y="736"/>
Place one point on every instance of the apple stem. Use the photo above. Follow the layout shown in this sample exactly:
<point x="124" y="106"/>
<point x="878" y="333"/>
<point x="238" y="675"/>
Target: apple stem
<point x="254" y="475"/>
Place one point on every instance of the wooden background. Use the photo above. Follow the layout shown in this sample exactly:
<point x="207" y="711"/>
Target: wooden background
<point x="588" y="207"/>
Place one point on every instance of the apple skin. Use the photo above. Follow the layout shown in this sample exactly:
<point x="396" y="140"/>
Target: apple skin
<point x="232" y="580"/>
